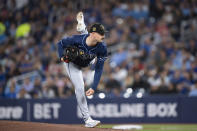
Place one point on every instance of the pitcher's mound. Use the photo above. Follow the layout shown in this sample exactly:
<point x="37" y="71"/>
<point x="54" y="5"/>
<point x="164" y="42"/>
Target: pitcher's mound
<point x="34" y="126"/>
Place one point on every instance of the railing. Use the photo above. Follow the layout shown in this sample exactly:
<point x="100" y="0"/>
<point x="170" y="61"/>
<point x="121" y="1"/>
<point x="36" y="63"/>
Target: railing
<point x="31" y="75"/>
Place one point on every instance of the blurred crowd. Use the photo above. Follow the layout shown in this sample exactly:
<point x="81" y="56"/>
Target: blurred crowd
<point x="152" y="46"/>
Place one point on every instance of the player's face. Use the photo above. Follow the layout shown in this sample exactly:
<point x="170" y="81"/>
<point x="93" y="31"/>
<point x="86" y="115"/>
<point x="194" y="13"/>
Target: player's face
<point x="98" y="37"/>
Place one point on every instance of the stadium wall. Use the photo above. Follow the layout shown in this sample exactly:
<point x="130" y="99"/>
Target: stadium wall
<point x="154" y="109"/>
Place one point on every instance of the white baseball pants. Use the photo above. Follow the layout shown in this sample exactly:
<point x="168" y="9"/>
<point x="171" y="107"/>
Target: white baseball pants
<point x="76" y="77"/>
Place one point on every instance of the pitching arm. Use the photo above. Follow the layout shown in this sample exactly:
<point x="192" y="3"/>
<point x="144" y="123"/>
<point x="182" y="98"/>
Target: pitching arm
<point x="99" y="68"/>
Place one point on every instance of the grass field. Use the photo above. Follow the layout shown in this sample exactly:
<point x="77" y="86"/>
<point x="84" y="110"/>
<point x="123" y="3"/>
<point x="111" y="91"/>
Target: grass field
<point x="162" y="127"/>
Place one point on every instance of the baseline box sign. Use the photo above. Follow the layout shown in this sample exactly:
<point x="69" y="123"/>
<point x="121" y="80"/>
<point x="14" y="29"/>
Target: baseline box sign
<point x="136" y="110"/>
<point x="155" y="109"/>
<point x="147" y="110"/>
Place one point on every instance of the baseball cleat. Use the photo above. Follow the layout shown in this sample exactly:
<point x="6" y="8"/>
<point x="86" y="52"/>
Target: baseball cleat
<point x="90" y="123"/>
<point x="80" y="22"/>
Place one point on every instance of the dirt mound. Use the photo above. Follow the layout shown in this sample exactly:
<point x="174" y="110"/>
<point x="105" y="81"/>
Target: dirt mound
<point x="34" y="126"/>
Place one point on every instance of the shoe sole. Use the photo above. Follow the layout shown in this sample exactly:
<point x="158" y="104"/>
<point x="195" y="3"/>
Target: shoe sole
<point x="98" y="124"/>
<point x="80" y="21"/>
<point x="79" y="17"/>
<point x="94" y="126"/>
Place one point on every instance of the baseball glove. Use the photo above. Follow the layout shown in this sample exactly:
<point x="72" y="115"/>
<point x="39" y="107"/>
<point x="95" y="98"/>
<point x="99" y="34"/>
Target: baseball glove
<point x="70" y="54"/>
<point x="77" y="56"/>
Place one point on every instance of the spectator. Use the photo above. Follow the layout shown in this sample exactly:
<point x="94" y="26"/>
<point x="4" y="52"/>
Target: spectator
<point x="193" y="91"/>
<point x="143" y="35"/>
<point x="37" y="91"/>
<point x="113" y="87"/>
<point x="11" y="92"/>
<point x="118" y="58"/>
<point x="28" y="85"/>
<point x="23" y="94"/>
<point x="47" y="91"/>
<point x="2" y="77"/>
<point x="139" y="83"/>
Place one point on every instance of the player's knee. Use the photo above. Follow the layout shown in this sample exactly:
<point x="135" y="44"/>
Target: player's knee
<point x="79" y="90"/>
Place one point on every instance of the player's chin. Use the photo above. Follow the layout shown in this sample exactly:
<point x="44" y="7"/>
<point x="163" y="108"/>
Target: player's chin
<point x="100" y="41"/>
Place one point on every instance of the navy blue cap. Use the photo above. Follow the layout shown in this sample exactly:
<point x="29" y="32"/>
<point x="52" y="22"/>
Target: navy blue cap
<point x="99" y="28"/>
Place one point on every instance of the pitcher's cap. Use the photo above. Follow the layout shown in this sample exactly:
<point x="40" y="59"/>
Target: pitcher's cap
<point x="99" y="28"/>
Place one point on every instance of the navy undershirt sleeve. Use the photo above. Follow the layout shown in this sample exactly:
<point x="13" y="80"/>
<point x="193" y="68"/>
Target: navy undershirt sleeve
<point x="98" y="73"/>
<point x="60" y="48"/>
<point x="99" y="68"/>
<point x="65" y="42"/>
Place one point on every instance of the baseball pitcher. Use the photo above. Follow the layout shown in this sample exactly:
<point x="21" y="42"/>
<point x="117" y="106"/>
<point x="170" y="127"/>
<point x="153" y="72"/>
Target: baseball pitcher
<point x="79" y="51"/>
